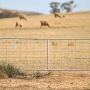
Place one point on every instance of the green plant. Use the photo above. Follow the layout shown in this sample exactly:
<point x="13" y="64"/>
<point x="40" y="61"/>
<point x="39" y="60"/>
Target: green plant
<point x="10" y="70"/>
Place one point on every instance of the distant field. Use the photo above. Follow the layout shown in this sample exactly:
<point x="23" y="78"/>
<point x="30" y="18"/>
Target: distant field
<point x="72" y="26"/>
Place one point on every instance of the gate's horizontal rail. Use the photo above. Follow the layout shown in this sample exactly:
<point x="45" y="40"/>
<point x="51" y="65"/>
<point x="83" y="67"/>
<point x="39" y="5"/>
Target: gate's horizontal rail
<point x="43" y="39"/>
<point x="59" y="70"/>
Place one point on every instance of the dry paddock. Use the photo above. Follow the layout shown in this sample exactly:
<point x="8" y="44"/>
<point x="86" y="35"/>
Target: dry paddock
<point x="73" y="26"/>
<point x="55" y="81"/>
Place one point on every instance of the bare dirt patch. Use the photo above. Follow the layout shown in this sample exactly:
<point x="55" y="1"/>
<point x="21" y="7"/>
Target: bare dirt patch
<point x="52" y="82"/>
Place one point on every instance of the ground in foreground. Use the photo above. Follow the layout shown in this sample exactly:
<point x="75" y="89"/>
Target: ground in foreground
<point x="51" y="82"/>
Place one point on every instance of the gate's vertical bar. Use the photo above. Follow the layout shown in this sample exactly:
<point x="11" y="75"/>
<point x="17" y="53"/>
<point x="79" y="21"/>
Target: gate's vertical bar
<point x="47" y="53"/>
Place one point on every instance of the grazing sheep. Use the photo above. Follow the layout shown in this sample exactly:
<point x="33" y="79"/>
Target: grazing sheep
<point x="44" y="23"/>
<point x="18" y="24"/>
<point x="57" y="15"/>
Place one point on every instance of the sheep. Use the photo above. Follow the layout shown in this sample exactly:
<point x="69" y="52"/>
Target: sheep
<point x="18" y="24"/>
<point x="57" y="15"/>
<point x="44" y="23"/>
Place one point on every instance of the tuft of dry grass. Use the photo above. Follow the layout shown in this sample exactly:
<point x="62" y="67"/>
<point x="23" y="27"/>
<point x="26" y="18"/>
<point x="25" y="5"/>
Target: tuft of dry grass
<point x="38" y="75"/>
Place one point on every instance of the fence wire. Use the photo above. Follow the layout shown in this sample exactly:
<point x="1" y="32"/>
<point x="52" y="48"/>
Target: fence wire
<point x="46" y="54"/>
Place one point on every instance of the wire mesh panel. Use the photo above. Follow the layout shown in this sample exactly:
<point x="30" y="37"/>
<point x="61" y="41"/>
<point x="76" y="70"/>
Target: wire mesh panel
<point x="69" y="54"/>
<point x="25" y="54"/>
<point x="43" y="54"/>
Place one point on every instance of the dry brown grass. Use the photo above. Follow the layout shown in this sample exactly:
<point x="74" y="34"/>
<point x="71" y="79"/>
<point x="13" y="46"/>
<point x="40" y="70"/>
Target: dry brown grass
<point x="72" y="26"/>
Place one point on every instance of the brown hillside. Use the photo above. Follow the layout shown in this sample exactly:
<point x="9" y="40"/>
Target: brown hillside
<point x="6" y="13"/>
<point x="72" y="26"/>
